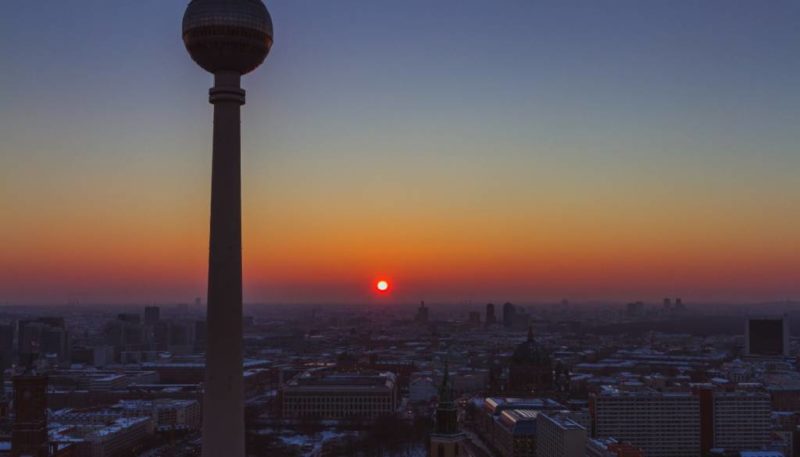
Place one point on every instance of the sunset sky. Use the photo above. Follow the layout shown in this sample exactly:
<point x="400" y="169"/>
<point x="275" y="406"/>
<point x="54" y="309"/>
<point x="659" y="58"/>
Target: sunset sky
<point x="466" y="150"/>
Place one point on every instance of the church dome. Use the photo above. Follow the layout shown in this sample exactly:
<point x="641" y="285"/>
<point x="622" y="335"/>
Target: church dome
<point x="530" y="353"/>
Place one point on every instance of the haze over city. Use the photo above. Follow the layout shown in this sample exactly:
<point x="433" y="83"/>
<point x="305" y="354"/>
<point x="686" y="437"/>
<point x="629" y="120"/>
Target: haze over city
<point x="532" y="151"/>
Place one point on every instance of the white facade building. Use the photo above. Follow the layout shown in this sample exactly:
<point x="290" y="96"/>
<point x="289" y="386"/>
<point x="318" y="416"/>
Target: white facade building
<point x="661" y="424"/>
<point x="742" y="420"/>
<point x="558" y="436"/>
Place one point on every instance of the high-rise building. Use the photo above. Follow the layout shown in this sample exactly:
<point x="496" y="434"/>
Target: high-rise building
<point x="126" y="333"/>
<point x="509" y="315"/>
<point x="686" y="424"/>
<point x="559" y="436"/>
<point x="447" y="440"/>
<point x="422" y="314"/>
<point x="29" y="432"/>
<point x="491" y="317"/>
<point x="6" y="346"/>
<point x="200" y="336"/>
<point x="634" y="309"/>
<point x="661" y="424"/>
<point x="767" y="337"/>
<point x="228" y="38"/>
<point x="45" y="335"/>
<point x="151" y="314"/>
<point x="741" y="420"/>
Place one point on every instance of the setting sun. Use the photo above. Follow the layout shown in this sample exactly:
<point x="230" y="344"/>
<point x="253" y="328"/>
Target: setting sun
<point x="382" y="285"/>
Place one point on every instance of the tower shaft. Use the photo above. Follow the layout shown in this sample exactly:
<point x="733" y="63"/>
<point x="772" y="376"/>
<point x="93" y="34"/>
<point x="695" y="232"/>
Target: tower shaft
<point x="223" y="403"/>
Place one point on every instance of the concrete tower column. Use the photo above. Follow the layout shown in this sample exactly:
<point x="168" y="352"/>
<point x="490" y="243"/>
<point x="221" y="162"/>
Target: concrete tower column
<point x="223" y="422"/>
<point x="228" y="38"/>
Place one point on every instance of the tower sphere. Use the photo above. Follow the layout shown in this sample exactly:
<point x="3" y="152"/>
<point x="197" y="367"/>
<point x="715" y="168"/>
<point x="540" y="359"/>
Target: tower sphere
<point x="227" y="35"/>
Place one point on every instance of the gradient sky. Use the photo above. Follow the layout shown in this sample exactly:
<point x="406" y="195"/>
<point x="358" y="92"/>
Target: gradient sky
<point x="468" y="150"/>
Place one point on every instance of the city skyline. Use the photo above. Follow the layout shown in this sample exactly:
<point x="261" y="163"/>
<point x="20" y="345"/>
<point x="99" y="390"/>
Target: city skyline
<point x="522" y="153"/>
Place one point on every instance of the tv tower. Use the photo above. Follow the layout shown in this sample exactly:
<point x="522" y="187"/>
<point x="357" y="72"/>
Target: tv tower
<point x="228" y="38"/>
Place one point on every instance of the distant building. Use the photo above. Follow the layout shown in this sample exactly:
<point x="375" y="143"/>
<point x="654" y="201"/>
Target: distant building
<point x="634" y="310"/>
<point x="200" y="336"/>
<point x="475" y="318"/>
<point x="558" y="436"/>
<point x="422" y="316"/>
<point x="133" y="318"/>
<point x="151" y="314"/>
<point x="530" y="369"/>
<point x="43" y="336"/>
<point x="509" y="315"/>
<point x="177" y="336"/>
<point x="767" y="337"/>
<point x="326" y="395"/>
<point x="491" y="317"/>
<point x="6" y="346"/>
<point x="126" y="333"/>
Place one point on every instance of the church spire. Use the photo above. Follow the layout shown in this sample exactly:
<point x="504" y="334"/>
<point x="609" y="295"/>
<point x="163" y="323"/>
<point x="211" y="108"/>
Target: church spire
<point x="446" y="412"/>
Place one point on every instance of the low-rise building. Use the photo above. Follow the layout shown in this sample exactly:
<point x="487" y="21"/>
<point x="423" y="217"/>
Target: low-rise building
<point x="330" y="395"/>
<point x="117" y="437"/>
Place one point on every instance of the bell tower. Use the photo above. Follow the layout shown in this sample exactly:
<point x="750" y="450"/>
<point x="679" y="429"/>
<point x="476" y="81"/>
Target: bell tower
<point x="446" y="440"/>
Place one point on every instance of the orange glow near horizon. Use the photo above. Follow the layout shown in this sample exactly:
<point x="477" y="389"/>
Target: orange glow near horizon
<point x="152" y="254"/>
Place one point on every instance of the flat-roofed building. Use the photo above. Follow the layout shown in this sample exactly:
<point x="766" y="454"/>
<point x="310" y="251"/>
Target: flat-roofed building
<point x="742" y="420"/>
<point x="493" y="407"/>
<point x="122" y="436"/>
<point x="662" y="424"/>
<point x="767" y="337"/>
<point x="165" y="413"/>
<point x="516" y="436"/>
<point x="327" y="395"/>
<point x="559" y="436"/>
